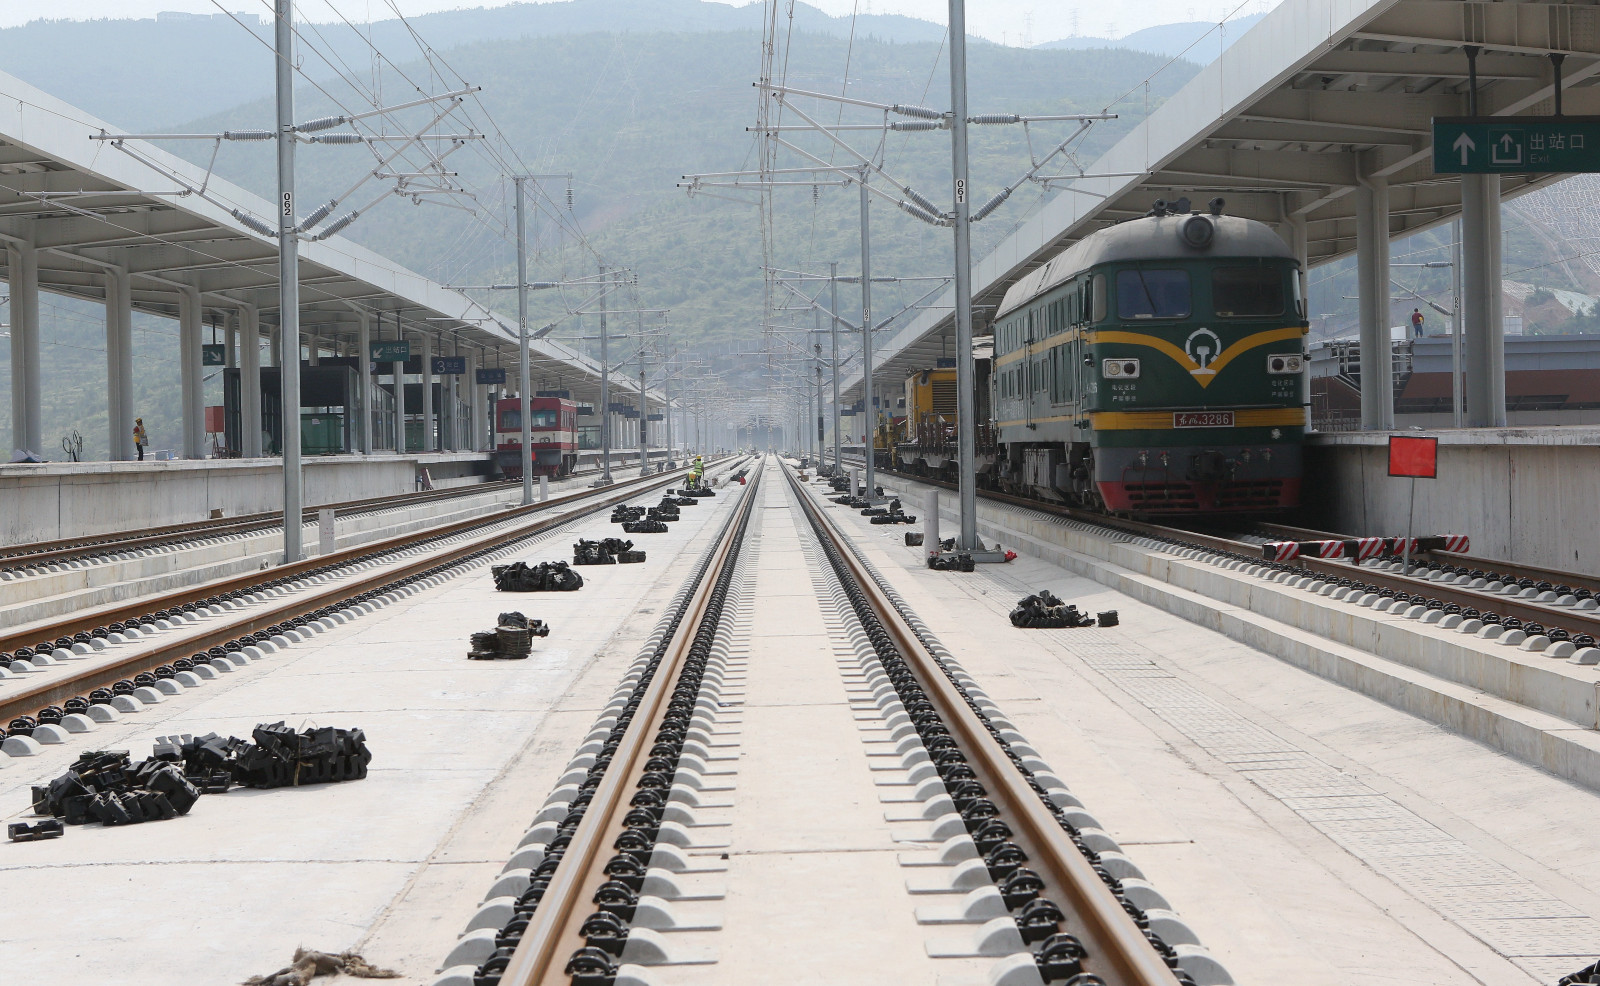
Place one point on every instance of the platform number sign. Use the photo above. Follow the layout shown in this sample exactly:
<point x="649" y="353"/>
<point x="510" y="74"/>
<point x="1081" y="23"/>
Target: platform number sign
<point x="1414" y="456"/>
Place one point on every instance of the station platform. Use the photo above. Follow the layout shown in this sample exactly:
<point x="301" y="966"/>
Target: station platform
<point x="1306" y="832"/>
<point x="1524" y="495"/>
<point x="51" y="500"/>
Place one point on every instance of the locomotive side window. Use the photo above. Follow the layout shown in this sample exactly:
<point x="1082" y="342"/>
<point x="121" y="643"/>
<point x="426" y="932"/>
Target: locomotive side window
<point x="1242" y="292"/>
<point x="1097" y="298"/>
<point x="1152" y="293"/>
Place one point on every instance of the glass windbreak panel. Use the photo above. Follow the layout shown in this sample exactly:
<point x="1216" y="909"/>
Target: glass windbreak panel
<point x="1240" y="292"/>
<point x="542" y="419"/>
<point x="1152" y="293"/>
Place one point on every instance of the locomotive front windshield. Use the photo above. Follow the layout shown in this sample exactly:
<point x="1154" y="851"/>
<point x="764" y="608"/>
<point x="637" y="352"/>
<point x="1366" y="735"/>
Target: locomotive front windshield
<point x="1153" y="293"/>
<point x="1246" y="292"/>
<point x="511" y="419"/>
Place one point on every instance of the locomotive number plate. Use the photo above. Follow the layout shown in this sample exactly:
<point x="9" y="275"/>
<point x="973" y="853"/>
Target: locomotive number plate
<point x="1202" y="419"/>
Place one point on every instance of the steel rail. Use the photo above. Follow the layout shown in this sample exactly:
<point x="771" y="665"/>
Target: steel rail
<point x="553" y="934"/>
<point x="55" y="689"/>
<point x="1490" y="566"/>
<point x="1526" y="610"/>
<point x="1118" y="951"/>
<point x="88" y="619"/>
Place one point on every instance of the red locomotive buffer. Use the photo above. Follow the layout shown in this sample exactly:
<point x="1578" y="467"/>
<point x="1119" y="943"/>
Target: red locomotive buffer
<point x="553" y="429"/>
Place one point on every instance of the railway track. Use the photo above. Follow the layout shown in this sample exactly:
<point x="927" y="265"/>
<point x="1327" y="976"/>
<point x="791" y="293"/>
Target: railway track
<point x="219" y="620"/>
<point x="604" y="843"/>
<point x="1535" y="609"/>
<point x="24" y="560"/>
<point x="1577" y="584"/>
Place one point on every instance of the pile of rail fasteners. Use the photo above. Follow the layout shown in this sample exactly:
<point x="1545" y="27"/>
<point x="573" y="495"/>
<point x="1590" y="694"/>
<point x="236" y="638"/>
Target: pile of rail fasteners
<point x="510" y="640"/>
<point x="610" y="551"/>
<point x="110" y="787"/>
<point x="547" y="576"/>
<point x="106" y="786"/>
<point x="893" y="514"/>
<point x="1046" y="611"/>
<point x="951" y="561"/>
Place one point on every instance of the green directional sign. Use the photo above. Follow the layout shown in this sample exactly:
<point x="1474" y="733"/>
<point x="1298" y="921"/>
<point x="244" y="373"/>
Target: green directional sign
<point x="214" y="354"/>
<point x="1466" y="145"/>
<point x="389" y="351"/>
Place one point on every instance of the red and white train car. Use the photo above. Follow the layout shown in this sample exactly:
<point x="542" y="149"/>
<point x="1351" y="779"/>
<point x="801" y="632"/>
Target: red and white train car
<point x="553" y="426"/>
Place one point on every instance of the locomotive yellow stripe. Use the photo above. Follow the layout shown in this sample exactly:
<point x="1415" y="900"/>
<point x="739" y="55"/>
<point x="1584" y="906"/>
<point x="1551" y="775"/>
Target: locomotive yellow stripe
<point x="1180" y="357"/>
<point x="1266" y="417"/>
<point x="1169" y="349"/>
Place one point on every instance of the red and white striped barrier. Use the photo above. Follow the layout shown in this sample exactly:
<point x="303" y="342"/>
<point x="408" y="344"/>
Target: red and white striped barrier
<point x="1280" y="550"/>
<point x="1361" y="549"/>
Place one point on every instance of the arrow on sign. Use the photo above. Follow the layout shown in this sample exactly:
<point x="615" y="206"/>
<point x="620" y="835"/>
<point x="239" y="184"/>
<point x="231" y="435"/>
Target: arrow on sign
<point x="1464" y="144"/>
<point x="1507" y="143"/>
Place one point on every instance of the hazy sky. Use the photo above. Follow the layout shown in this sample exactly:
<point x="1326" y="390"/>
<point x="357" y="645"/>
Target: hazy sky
<point x="1009" y="21"/>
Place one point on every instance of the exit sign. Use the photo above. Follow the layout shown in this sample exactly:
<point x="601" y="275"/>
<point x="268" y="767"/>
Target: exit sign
<point x="1500" y="144"/>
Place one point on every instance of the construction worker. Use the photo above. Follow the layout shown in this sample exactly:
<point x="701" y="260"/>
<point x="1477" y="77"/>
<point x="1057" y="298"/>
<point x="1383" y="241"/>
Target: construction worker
<point x="696" y="471"/>
<point x="141" y="438"/>
<point x="1416" y="322"/>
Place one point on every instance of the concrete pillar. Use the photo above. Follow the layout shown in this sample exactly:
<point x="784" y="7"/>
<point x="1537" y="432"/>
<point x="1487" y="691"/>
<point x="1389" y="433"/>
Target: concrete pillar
<point x="1372" y="268"/>
<point x="230" y="343"/>
<point x="191" y="374"/>
<point x="364" y="388"/>
<point x="27" y="414"/>
<point x="274" y="351"/>
<point x="119" y="364"/>
<point x="474" y="398"/>
<point x="1300" y="243"/>
<point x="399" y="397"/>
<point x="250" y="382"/>
<point x="429" y="443"/>
<point x="454" y="444"/>
<point x="314" y="348"/>
<point x="1483" y="331"/>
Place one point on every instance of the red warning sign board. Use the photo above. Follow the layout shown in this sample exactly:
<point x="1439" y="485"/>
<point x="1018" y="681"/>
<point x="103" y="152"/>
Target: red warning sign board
<point x="1413" y="456"/>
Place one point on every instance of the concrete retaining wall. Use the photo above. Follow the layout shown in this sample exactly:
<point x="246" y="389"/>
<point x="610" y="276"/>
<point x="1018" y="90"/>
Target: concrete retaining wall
<point x="42" y="502"/>
<point x="1522" y="495"/>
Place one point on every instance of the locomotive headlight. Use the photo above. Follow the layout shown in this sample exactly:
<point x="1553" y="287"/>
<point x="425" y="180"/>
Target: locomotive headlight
<point x="1126" y="369"/>
<point x="1286" y="363"/>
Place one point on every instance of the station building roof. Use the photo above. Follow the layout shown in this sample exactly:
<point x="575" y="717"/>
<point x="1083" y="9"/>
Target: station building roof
<point x="88" y="206"/>
<point x="1317" y="97"/>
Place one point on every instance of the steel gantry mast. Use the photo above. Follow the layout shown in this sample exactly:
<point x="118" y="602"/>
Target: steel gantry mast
<point x="288" y="287"/>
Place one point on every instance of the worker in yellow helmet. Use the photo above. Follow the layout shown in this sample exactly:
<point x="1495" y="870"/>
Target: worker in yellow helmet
<point x="696" y="471"/>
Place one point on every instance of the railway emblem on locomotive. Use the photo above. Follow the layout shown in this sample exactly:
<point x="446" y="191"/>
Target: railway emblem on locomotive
<point x="1202" y="348"/>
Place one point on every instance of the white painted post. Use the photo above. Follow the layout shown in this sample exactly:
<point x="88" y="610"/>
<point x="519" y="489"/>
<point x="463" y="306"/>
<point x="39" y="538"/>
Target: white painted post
<point x="544" y="488"/>
<point x="930" y="523"/>
<point x="326" y="545"/>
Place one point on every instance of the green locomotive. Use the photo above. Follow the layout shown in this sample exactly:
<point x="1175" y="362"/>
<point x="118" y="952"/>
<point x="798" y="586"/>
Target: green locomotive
<point x="1155" y="367"/>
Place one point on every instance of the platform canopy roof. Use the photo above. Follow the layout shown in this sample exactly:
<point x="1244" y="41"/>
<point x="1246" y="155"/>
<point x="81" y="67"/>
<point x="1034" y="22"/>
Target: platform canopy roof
<point x="1317" y="97"/>
<point x="89" y="207"/>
